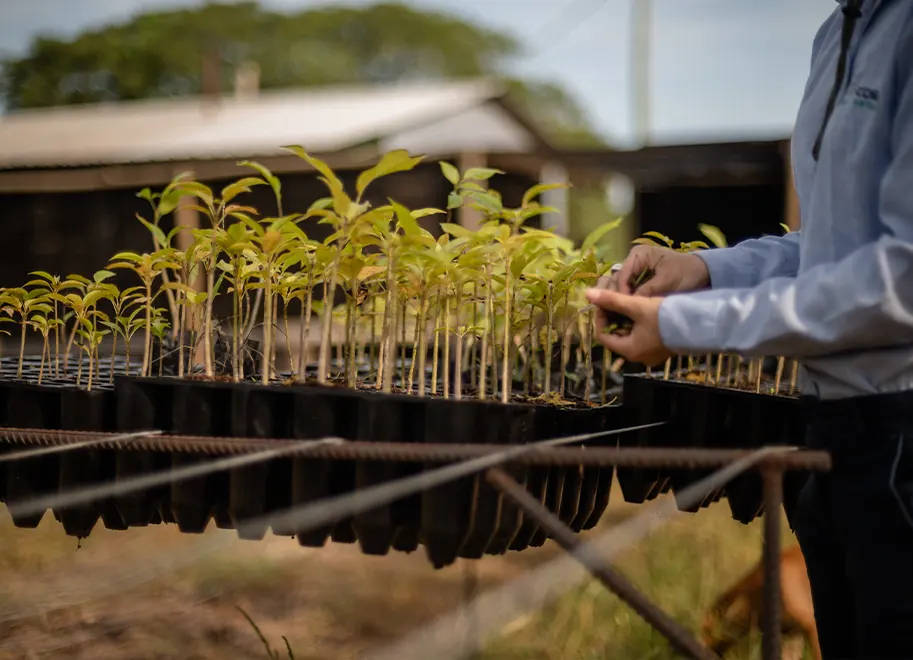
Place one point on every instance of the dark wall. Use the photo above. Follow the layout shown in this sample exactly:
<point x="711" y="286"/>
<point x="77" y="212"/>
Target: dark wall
<point x="739" y="211"/>
<point x="68" y="233"/>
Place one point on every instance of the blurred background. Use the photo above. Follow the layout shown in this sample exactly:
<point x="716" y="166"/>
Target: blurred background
<point x="668" y="112"/>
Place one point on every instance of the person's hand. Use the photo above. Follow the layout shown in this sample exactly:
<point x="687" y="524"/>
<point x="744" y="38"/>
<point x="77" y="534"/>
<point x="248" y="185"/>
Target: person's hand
<point x="673" y="272"/>
<point x="643" y="343"/>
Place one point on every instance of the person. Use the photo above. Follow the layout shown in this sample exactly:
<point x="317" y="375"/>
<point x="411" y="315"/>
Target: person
<point x="838" y="296"/>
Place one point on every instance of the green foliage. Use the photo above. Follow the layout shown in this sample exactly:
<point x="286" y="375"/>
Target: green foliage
<point x="489" y="302"/>
<point x="380" y="43"/>
<point x="714" y="235"/>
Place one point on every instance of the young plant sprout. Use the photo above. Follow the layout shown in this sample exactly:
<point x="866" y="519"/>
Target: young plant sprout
<point x="499" y="309"/>
<point x="349" y="219"/>
<point x="149" y="268"/>
<point x="25" y="304"/>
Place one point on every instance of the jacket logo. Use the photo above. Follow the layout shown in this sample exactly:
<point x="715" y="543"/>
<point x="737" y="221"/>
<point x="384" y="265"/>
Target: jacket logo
<point x="865" y="97"/>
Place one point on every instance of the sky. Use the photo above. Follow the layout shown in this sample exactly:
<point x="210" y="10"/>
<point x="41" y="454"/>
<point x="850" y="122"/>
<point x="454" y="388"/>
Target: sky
<point x="720" y="69"/>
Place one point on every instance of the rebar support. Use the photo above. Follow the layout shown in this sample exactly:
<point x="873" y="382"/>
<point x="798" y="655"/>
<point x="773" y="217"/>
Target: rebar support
<point x="544" y="454"/>
<point x="679" y="637"/>
<point x="771" y="642"/>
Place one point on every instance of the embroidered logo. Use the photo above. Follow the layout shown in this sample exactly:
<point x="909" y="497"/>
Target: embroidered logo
<point x="865" y="97"/>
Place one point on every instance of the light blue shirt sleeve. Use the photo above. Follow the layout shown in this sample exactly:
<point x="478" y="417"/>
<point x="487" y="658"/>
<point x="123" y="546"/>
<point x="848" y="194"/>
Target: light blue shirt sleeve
<point x="753" y="261"/>
<point x="862" y="301"/>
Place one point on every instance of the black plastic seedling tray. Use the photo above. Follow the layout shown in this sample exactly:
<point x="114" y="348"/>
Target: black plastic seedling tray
<point x="58" y="405"/>
<point x="699" y="415"/>
<point x="467" y="518"/>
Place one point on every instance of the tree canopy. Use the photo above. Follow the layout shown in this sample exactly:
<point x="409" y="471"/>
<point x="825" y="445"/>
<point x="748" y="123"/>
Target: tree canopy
<point x="160" y="54"/>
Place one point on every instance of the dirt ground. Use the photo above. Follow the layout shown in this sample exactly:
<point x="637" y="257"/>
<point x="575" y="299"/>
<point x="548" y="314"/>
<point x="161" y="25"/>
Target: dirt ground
<point x="120" y="595"/>
<point x="153" y="593"/>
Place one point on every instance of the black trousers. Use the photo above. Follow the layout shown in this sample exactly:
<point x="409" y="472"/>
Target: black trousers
<point x="855" y="526"/>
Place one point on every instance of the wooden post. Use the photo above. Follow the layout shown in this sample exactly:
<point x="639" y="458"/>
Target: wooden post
<point x="471" y="218"/>
<point x="555" y="172"/>
<point x="791" y="212"/>
<point x="247" y="81"/>
<point x="188" y="218"/>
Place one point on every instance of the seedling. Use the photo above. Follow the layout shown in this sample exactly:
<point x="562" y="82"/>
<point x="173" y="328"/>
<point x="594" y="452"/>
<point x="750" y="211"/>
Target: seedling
<point x="149" y="268"/>
<point x="491" y="307"/>
<point x="25" y="304"/>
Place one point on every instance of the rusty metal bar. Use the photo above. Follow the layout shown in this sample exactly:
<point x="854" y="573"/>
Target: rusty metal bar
<point x="88" y="442"/>
<point x="679" y="637"/>
<point x="171" y="475"/>
<point x="588" y="456"/>
<point x="772" y="642"/>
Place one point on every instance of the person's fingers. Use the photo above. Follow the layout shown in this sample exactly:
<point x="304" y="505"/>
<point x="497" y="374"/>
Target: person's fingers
<point x="660" y="284"/>
<point x="608" y="282"/>
<point x="629" y="266"/>
<point x="614" y="302"/>
<point x="617" y="344"/>
<point x="600" y="319"/>
<point x="634" y="264"/>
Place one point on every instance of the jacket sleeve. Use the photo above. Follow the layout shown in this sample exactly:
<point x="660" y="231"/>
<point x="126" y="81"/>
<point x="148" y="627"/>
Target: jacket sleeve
<point x="753" y="261"/>
<point x="864" y="301"/>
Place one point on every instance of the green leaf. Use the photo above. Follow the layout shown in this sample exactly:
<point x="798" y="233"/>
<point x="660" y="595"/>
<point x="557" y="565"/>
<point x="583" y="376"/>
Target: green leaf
<point x="451" y="173"/>
<point x="454" y="200"/>
<point x="537" y="190"/>
<point x="455" y="230"/>
<point x="487" y="202"/>
<point x="43" y="274"/>
<point x="644" y="241"/>
<point x="424" y="213"/>
<point x="480" y="173"/>
<point x="405" y="220"/>
<point x="594" y="236"/>
<point x="160" y="238"/>
<point x="350" y="268"/>
<point x="341" y="201"/>
<point x="786" y="229"/>
<point x="398" y="160"/>
<point x="714" y="235"/>
<point x="93" y="297"/>
<point x="244" y="185"/>
<point x="271" y="178"/>
<point x="665" y="239"/>
<point x="168" y="203"/>
<point x="195" y="188"/>
<point x="691" y="246"/>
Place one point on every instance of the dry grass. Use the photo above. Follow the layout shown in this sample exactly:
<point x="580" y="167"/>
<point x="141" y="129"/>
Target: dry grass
<point x="335" y="602"/>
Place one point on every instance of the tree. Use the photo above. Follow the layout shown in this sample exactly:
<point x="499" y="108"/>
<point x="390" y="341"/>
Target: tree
<point x="160" y="54"/>
<point x="552" y="108"/>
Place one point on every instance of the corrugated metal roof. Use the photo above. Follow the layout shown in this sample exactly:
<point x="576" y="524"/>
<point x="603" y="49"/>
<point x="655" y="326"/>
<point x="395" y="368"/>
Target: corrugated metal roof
<point x="321" y="120"/>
